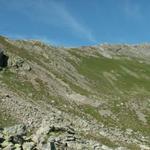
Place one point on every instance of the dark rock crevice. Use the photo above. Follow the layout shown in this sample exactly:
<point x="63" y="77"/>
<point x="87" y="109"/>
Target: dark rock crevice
<point x="3" y="59"/>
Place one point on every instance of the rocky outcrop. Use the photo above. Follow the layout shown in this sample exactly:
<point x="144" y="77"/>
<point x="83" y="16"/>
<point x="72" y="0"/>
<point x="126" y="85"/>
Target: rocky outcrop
<point x="12" y="137"/>
<point x="47" y="137"/>
<point x="18" y="63"/>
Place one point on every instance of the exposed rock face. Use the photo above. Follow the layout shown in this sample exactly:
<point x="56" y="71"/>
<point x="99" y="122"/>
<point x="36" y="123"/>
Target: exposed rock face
<point x="18" y="63"/>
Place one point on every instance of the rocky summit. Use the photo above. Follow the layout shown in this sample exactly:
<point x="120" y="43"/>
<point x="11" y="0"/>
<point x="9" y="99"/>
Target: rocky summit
<point x="85" y="98"/>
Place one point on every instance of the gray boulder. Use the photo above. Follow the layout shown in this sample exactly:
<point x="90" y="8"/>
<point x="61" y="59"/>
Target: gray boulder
<point x="28" y="145"/>
<point x="18" y="130"/>
<point x="7" y="145"/>
<point x="18" y="63"/>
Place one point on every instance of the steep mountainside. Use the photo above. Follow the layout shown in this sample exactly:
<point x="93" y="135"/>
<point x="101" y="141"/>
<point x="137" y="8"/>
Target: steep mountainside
<point x="100" y="93"/>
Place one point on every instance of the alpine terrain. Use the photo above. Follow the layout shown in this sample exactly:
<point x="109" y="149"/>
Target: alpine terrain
<point x="85" y="98"/>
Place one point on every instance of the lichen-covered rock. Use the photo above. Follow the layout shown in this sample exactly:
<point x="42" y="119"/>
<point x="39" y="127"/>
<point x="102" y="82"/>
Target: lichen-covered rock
<point x="28" y="145"/>
<point x="18" y="130"/>
<point x="15" y="61"/>
<point x="26" y="67"/>
<point x="18" y="147"/>
<point x="7" y="145"/>
<point x="18" y="63"/>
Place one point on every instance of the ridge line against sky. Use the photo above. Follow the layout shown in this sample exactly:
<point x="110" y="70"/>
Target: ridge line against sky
<point x="61" y="21"/>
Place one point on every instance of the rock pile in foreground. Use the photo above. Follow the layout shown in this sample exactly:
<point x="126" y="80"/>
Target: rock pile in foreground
<point x="47" y="137"/>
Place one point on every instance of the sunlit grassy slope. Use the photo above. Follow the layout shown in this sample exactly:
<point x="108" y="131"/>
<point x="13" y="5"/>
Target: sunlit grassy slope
<point x="122" y="81"/>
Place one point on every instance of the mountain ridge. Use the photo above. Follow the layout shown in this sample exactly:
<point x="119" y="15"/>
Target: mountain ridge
<point x="102" y="90"/>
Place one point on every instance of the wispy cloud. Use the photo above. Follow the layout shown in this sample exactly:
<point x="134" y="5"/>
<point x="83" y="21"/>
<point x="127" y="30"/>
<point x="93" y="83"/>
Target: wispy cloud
<point x="53" y="13"/>
<point x="132" y="9"/>
<point x="73" y="23"/>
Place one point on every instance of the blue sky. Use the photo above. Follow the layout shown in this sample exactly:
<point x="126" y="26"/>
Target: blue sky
<point x="76" y="22"/>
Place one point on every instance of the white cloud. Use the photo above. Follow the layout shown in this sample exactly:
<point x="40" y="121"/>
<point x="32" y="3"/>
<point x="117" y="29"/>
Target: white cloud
<point x="52" y="13"/>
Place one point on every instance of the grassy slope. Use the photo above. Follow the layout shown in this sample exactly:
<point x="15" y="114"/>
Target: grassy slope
<point x="117" y="82"/>
<point x="6" y="120"/>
